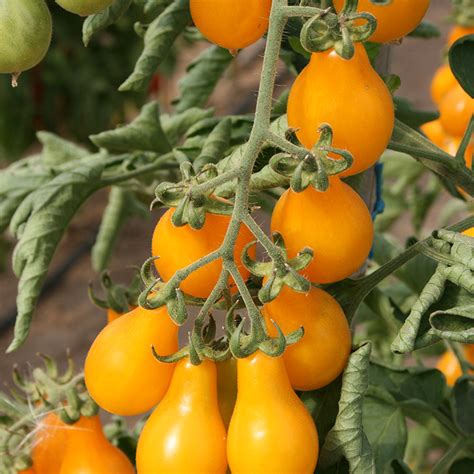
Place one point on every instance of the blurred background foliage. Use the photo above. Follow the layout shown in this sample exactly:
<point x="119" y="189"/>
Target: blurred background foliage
<point x="73" y="92"/>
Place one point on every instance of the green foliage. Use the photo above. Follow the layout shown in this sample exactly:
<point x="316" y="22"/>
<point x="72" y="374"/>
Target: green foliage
<point x="347" y="437"/>
<point x="159" y="37"/>
<point x="461" y="55"/>
<point x="103" y="19"/>
<point x="201" y="78"/>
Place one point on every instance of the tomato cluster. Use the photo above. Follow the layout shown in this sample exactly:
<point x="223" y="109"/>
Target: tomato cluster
<point x="456" y="107"/>
<point x="245" y="414"/>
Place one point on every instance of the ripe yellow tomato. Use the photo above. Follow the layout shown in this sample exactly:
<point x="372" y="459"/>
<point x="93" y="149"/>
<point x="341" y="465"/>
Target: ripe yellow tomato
<point x="348" y="95"/>
<point x="49" y="444"/>
<point x="456" y="109"/>
<point x="451" y="146"/>
<point x="112" y="315"/>
<point x="185" y="433"/>
<point x="84" y="7"/>
<point x="335" y="224"/>
<point x="448" y="363"/>
<point x="89" y="452"/>
<point x="443" y="81"/>
<point x="120" y="371"/>
<point x="435" y="132"/>
<point x="178" y="247"/>
<point x="394" y="20"/>
<point x="321" y="355"/>
<point x="458" y="32"/>
<point x="227" y="388"/>
<point x="470" y="233"/>
<point x="270" y="431"/>
<point x="231" y="25"/>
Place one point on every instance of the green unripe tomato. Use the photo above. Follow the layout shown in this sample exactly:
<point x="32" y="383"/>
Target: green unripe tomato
<point x="25" y="34"/>
<point x="84" y="7"/>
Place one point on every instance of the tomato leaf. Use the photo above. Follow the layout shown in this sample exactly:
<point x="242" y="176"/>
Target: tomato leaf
<point x="439" y="298"/>
<point x="57" y="151"/>
<point x="121" y="206"/>
<point x="347" y="438"/>
<point x="159" y="37"/>
<point x="454" y="324"/>
<point x="408" y="114"/>
<point x="145" y="133"/>
<point x="413" y="383"/>
<point x="18" y="181"/>
<point x="153" y="5"/>
<point x="463" y="394"/>
<point x="177" y="125"/>
<point x="419" y="392"/>
<point x="385" y="427"/>
<point x="201" y="78"/>
<point x="461" y="59"/>
<point x="103" y="19"/>
<point x="38" y="224"/>
<point x="414" y="274"/>
<point x="426" y="30"/>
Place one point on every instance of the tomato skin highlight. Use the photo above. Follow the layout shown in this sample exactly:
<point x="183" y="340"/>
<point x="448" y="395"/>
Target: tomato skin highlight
<point x="270" y="431"/>
<point x="25" y="31"/>
<point x="351" y="97"/>
<point x="435" y="132"/>
<point x="178" y="247"/>
<point x="443" y="81"/>
<point x="394" y="21"/>
<point x="456" y="109"/>
<point x="120" y="371"/>
<point x="49" y="445"/>
<point x="89" y="452"/>
<point x="231" y="25"/>
<point x="335" y="224"/>
<point x="322" y="354"/>
<point x="84" y="7"/>
<point x="185" y="433"/>
<point x="448" y="362"/>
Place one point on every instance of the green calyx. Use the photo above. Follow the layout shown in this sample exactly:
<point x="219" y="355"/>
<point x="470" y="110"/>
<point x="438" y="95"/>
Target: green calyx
<point x="316" y="167"/>
<point x="242" y="344"/>
<point x="158" y="294"/>
<point x="65" y="393"/>
<point x="45" y="391"/>
<point x="119" y="298"/>
<point x="280" y="271"/>
<point x="328" y="30"/>
<point x="193" y="197"/>
<point x="201" y="345"/>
